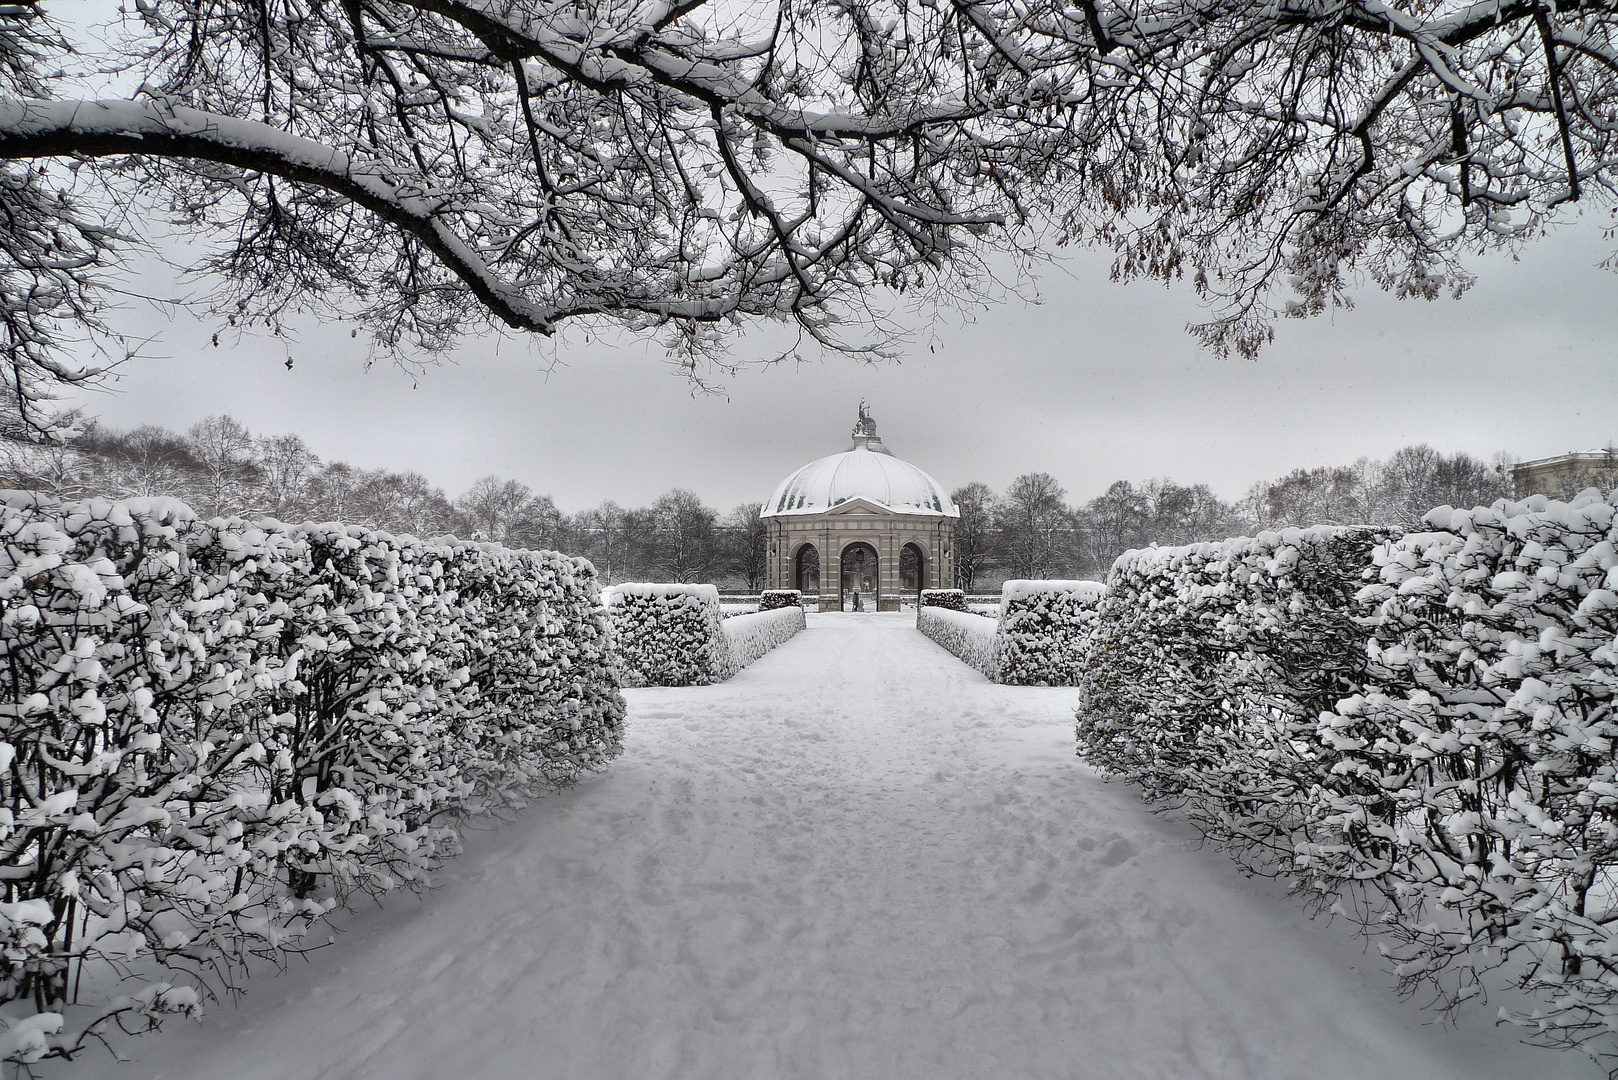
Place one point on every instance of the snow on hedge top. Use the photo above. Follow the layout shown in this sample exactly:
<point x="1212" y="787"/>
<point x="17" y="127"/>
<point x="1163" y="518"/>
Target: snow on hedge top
<point x="1591" y="510"/>
<point x="1016" y="589"/>
<point x="1144" y="560"/>
<point x="615" y="594"/>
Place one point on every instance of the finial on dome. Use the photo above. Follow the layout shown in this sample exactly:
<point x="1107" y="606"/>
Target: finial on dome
<point x="865" y="437"/>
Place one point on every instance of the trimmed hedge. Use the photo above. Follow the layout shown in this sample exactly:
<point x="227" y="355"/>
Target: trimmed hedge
<point x="1200" y="653"/>
<point x="970" y="637"/>
<point x="215" y="731"/>
<point x="771" y="599"/>
<point x="1416" y="729"/>
<point x="668" y="635"/>
<point x="751" y="636"/>
<point x="953" y="599"/>
<point x="1044" y="630"/>
<point x="673" y="635"/>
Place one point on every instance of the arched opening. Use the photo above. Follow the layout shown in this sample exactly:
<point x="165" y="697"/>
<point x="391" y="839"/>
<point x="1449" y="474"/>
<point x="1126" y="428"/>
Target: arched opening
<point x="859" y="578"/>
<point x="806" y="571"/>
<point x="912" y="569"/>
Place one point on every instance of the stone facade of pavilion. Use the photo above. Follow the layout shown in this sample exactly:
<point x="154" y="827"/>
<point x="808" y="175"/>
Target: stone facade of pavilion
<point x="861" y="528"/>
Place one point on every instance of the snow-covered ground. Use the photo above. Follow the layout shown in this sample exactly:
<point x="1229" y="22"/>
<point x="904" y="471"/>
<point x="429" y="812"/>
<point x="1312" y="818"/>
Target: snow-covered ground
<point x="856" y="859"/>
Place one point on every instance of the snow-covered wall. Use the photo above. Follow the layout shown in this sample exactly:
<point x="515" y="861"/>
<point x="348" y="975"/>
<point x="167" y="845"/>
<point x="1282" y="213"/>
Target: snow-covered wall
<point x="673" y="635"/>
<point x="751" y="636"/>
<point x="970" y="637"/>
<point x="215" y="731"/>
<point x="1044" y="630"/>
<point x="1428" y="720"/>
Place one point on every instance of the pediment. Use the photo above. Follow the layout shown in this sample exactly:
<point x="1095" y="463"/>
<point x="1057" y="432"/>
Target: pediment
<point x="858" y="507"/>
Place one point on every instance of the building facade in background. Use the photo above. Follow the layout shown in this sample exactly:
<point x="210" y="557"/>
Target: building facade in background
<point x="860" y="529"/>
<point x="1565" y="475"/>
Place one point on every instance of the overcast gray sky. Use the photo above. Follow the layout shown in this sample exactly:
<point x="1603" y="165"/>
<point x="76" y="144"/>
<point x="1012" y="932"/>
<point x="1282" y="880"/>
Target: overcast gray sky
<point x="1100" y="382"/>
<point x="1097" y="383"/>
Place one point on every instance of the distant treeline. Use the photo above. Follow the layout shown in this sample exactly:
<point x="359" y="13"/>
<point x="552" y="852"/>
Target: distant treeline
<point x="219" y="467"/>
<point x="1029" y="531"/>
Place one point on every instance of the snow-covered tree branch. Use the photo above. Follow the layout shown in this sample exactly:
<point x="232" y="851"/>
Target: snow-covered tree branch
<point x="429" y="166"/>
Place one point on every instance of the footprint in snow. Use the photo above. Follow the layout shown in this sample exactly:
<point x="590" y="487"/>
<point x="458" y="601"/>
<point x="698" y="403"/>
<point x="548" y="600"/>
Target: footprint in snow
<point x="1116" y="852"/>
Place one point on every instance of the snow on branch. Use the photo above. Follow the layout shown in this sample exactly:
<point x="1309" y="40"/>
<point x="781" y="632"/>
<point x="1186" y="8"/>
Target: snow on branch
<point x="424" y="166"/>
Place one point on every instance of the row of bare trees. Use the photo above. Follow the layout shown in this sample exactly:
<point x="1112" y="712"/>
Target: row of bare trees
<point x="1028" y="531"/>
<point x="220" y="467"/>
<point x="1031" y="531"/>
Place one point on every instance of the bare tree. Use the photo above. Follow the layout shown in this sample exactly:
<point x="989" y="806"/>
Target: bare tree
<point x="400" y="502"/>
<point x="1415" y="479"/>
<point x="600" y="535"/>
<point x="1036" y="529"/>
<point x="1336" y="495"/>
<point x="747" y="545"/>
<point x="493" y="509"/>
<point x="45" y="465"/>
<point x="684" y="535"/>
<point x="975" y="536"/>
<point x="425" y="166"/>
<point x="149" y="460"/>
<point x="224" y="451"/>
<point x="1115" y="521"/>
<point x="1397" y="492"/>
<point x="538" y="525"/>
<point x="333" y="492"/>
<point x="286" y="474"/>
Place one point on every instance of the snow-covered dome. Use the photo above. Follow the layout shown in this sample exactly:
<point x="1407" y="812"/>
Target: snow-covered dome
<point x="869" y="471"/>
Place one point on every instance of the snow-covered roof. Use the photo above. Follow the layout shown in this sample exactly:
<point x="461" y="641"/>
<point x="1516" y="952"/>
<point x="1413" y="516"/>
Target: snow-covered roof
<point x="870" y="472"/>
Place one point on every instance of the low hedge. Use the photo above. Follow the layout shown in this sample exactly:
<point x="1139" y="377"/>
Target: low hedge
<point x="970" y="637"/>
<point x="1044" y="630"/>
<point x="751" y="636"/>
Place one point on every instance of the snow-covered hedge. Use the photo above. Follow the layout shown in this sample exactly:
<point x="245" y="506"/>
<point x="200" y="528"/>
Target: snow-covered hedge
<point x="954" y="599"/>
<point x="673" y="635"/>
<point x="771" y="599"/>
<point x="1420" y="729"/>
<point x="1045" y="629"/>
<point x="1477" y="773"/>
<point x="668" y="635"/>
<point x="970" y="637"/>
<point x="1195" y="649"/>
<point x="751" y="636"/>
<point x="215" y="731"/>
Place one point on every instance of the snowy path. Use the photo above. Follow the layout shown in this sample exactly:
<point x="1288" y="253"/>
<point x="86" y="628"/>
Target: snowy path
<point x="857" y="860"/>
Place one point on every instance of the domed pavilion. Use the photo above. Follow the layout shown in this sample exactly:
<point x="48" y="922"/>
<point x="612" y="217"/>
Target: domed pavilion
<point x="872" y="527"/>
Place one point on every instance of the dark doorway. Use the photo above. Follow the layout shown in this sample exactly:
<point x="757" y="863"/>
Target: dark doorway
<point x="859" y="578"/>
<point x="807" y="571"/>
<point x="912" y="569"/>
